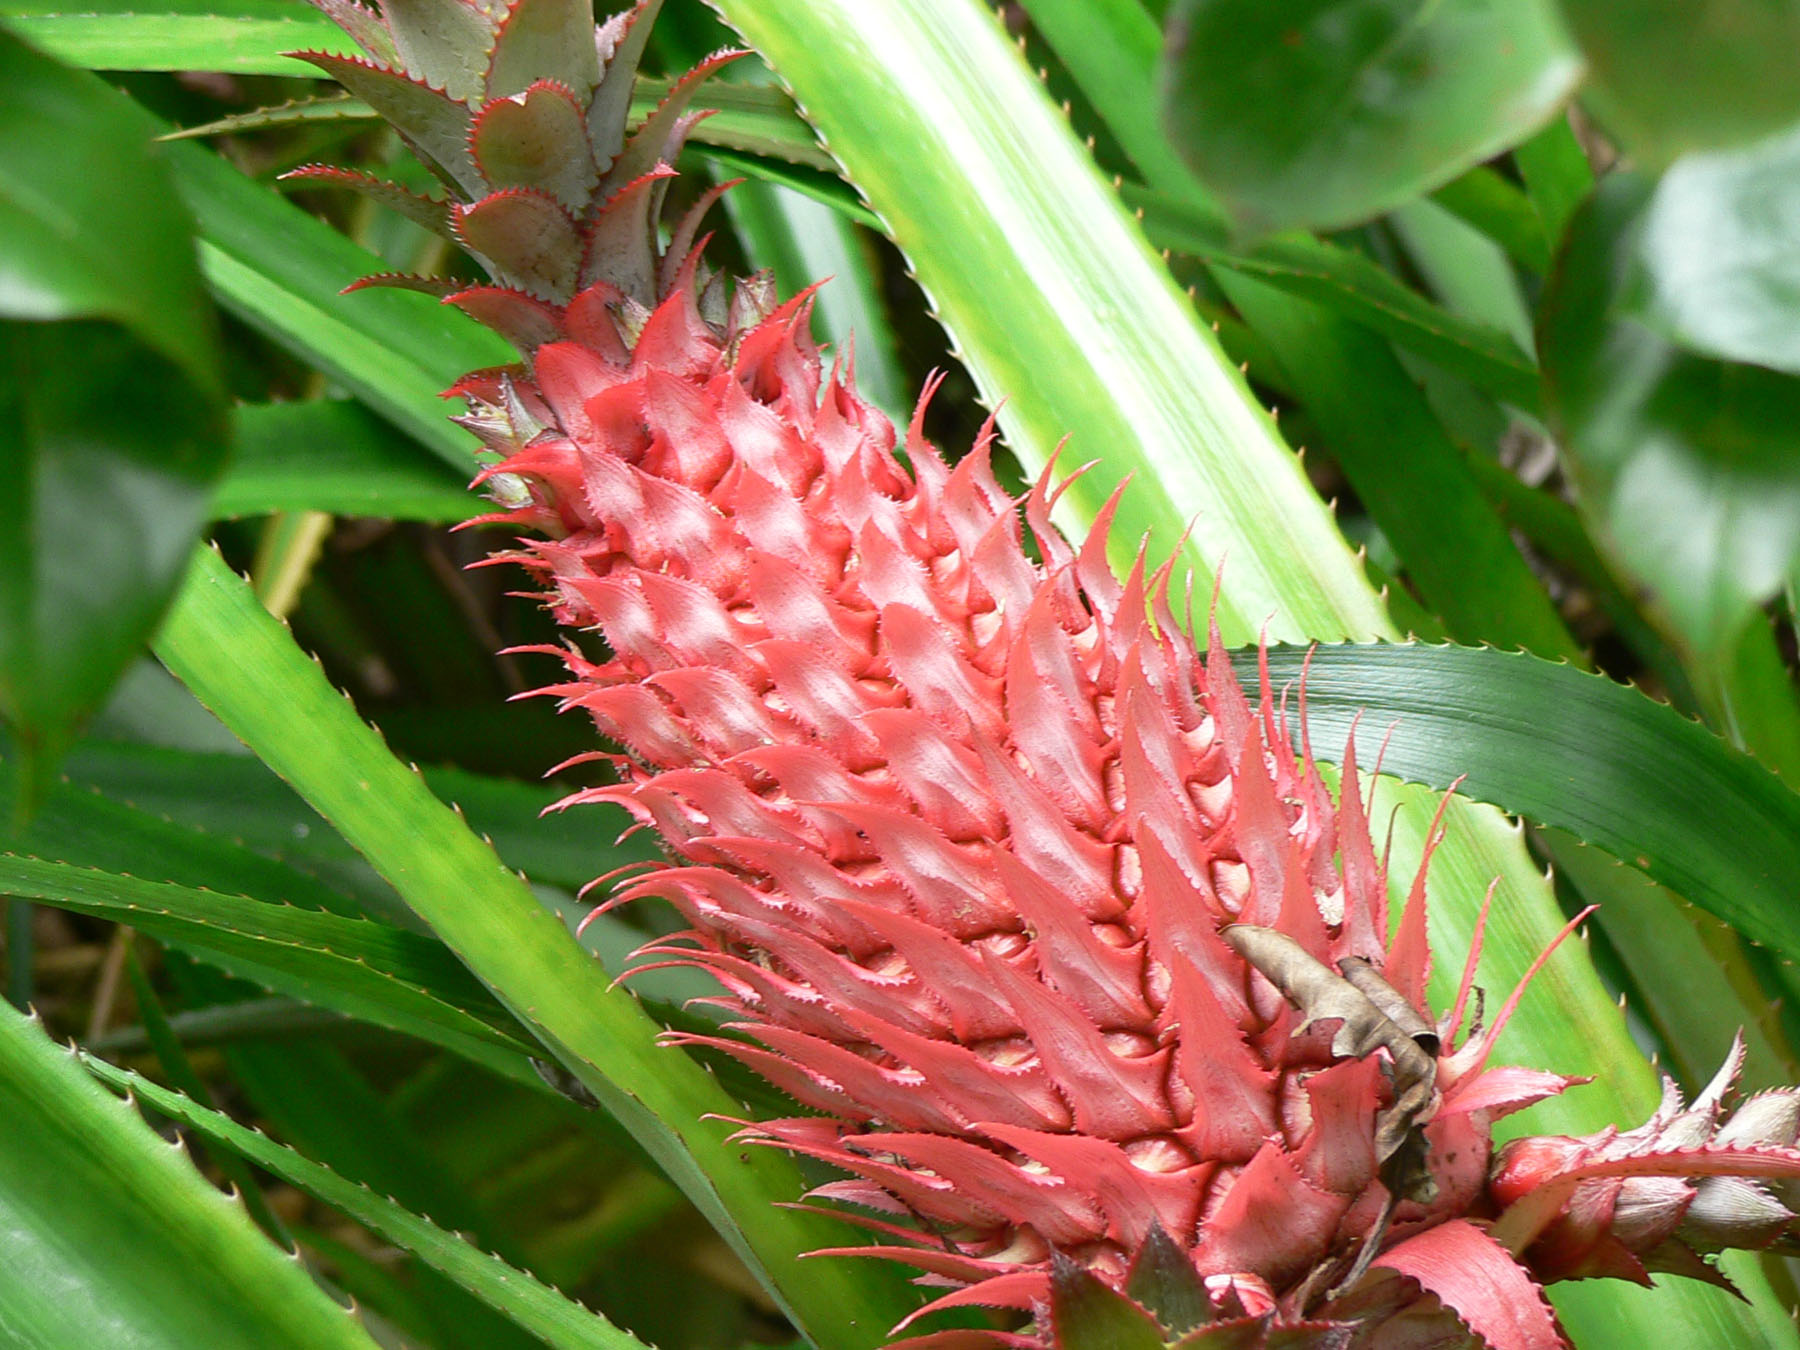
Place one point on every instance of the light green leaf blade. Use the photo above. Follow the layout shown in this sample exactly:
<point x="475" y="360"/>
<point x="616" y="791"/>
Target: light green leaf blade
<point x="243" y="37"/>
<point x="560" y="1322"/>
<point x="371" y="971"/>
<point x="113" y="1239"/>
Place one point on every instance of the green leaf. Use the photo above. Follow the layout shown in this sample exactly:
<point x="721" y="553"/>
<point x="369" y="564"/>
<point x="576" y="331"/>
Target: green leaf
<point x="1057" y="303"/>
<point x="1684" y="465"/>
<point x="238" y="797"/>
<point x="1678" y="75"/>
<point x="557" y="1321"/>
<point x="1486" y="200"/>
<point x="1087" y="1315"/>
<point x="1353" y="286"/>
<point x="1328" y="112"/>
<point x="238" y="660"/>
<point x="110" y="386"/>
<point x="1556" y="745"/>
<point x="367" y="970"/>
<point x="1409" y="474"/>
<point x="82" y="825"/>
<point x="244" y="37"/>
<point x="1718" y="247"/>
<point x="334" y="456"/>
<point x="113" y="1239"/>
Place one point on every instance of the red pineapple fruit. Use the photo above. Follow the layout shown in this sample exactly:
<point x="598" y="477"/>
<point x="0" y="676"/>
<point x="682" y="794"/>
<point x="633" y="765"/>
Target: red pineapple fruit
<point x="1089" y="980"/>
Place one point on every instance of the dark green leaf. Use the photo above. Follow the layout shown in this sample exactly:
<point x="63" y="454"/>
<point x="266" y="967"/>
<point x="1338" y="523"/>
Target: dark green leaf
<point x="110" y="388"/>
<point x="1719" y="245"/>
<point x="1349" y="284"/>
<point x="363" y="969"/>
<point x="334" y="456"/>
<point x="1677" y="75"/>
<point x="1163" y="1280"/>
<point x="1086" y="1315"/>
<point x="1328" y="112"/>
<point x="1567" y="749"/>
<point x="113" y="1239"/>
<point x="1685" y="465"/>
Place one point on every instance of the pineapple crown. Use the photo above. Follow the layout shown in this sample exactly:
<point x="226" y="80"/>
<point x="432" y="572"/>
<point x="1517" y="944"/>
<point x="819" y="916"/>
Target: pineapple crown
<point x="1082" y="968"/>
<point x="521" y="110"/>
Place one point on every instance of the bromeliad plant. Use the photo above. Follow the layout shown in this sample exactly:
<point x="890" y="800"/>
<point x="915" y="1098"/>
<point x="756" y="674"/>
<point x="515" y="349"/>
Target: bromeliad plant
<point x="1088" y="984"/>
<point x="1074" y="958"/>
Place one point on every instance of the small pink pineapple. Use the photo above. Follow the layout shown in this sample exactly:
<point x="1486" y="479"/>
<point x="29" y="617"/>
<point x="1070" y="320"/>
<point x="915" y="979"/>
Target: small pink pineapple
<point x="1090" y="985"/>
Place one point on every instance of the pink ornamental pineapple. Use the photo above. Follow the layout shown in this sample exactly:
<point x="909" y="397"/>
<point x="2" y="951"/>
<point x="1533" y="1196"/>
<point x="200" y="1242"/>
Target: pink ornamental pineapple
<point x="1089" y="983"/>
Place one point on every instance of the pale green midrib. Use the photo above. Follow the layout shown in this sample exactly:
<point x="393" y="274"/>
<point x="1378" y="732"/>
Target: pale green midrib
<point x="1198" y="446"/>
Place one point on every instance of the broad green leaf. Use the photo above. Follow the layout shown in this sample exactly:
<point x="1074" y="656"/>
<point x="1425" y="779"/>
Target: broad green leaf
<point x="1558" y="746"/>
<point x="110" y="386"/>
<point x="244" y="37"/>
<point x="558" y="1321"/>
<point x="1328" y="112"/>
<point x="1684" y="465"/>
<point x="113" y="1239"/>
<point x="1718" y="248"/>
<point x="332" y="455"/>
<point x="238" y="797"/>
<point x="1678" y="75"/>
<point x="370" y="971"/>
<point x="239" y="661"/>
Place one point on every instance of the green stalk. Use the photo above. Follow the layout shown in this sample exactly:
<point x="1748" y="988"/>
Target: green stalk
<point x="1057" y="302"/>
<point x="242" y="664"/>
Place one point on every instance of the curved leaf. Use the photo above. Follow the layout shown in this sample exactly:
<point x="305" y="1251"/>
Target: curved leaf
<point x="334" y="456"/>
<point x="1718" y="244"/>
<point x="367" y="970"/>
<point x="1685" y="465"/>
<point x="1676" y="75"/>
<point x="558" y="1321"/>
<point x="113" y="1239"/>
<point x="1328" y="112"/>
<point x="1564" y="748"/>
<point x="111" y="391"/>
